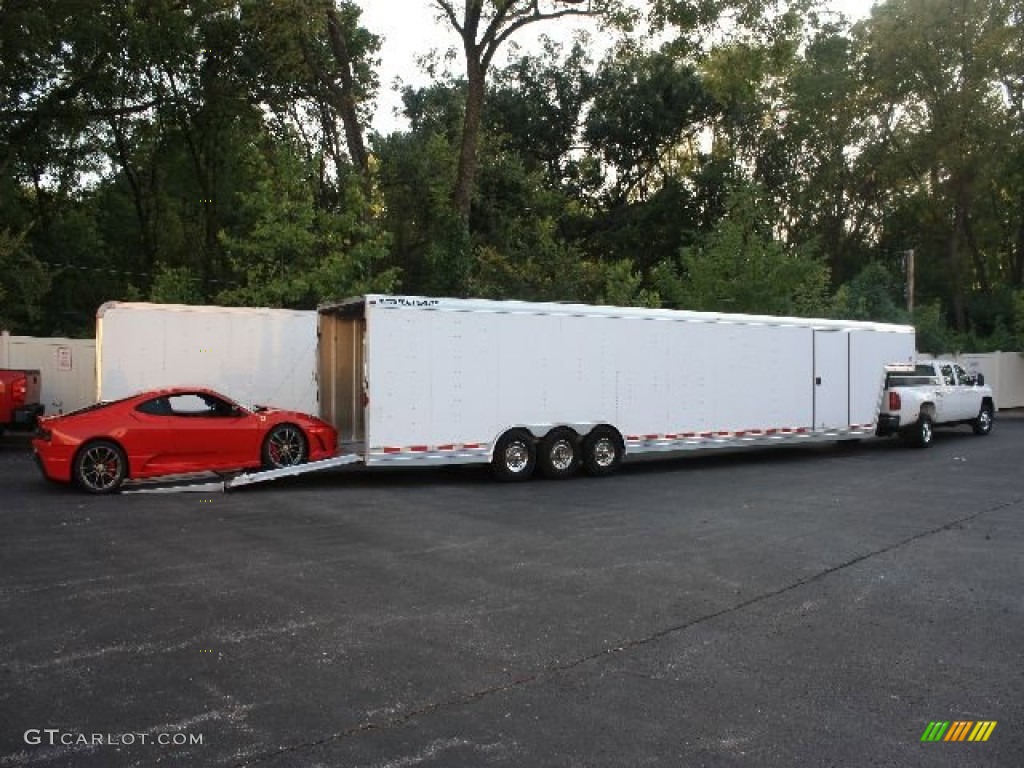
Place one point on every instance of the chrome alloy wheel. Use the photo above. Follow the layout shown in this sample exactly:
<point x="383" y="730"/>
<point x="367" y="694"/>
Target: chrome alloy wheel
<point x="562" y="454"/>
<point x="100" y="468"/>
<point x="517" y="456"/>
<point x="985" y="420"/>
<point x="604" y="452"/>
<point x="286" y="447"/>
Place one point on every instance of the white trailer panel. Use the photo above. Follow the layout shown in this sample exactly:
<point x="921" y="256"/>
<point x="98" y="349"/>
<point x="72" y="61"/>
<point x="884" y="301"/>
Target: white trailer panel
<point x="254" y="355"/>
<point x="445" y="378"/>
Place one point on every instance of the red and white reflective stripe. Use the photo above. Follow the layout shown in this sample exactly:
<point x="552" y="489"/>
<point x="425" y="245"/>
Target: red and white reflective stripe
<point x="720" y="433"/>
<point x="392" y="449"/>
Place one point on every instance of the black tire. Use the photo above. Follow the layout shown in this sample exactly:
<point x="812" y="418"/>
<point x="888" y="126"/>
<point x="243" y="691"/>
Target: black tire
<point x="986" y="418"/>
<point x="284" y="446"/>
<point x="100" y="467"/>
<point x="559" y="454"/>
<point x="920" y="434"/>
<point x="602" y="452"/>
<point x="515" y="456"/>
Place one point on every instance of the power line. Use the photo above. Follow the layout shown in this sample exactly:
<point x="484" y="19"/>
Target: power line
<point x="130" y="273"/>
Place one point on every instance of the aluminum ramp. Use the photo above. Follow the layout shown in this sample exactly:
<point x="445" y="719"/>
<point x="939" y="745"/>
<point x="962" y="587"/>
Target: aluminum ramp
<point x="202" y="482"/>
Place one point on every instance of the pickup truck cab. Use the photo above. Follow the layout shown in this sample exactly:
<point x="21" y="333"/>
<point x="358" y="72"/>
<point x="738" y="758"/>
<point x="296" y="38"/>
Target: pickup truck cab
<point x="935" y="393"/>
<point x="19" y="399"/>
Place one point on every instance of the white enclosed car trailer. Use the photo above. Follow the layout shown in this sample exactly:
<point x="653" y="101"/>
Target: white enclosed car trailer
<point x="559" y="387"/>
<point x="253" y="355"/>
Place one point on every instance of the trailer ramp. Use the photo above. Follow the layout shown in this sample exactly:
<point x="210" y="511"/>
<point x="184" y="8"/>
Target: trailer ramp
<point x="204" y="482"/>
<point x="249" y="478"/>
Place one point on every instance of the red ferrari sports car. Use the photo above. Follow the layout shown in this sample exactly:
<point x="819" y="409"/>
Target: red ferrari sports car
<point x="171" y="432"/>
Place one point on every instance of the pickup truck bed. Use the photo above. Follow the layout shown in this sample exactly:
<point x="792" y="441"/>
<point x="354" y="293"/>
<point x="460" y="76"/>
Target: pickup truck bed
<point x="19" y="399"/>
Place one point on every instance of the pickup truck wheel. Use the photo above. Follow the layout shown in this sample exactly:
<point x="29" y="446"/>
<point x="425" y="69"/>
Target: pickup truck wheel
<point x="559" y="454"/>
<point x="515" y="456"/>
<point x="983" y="424"/>
<point x="100" y="467"/>
<point x="920" y="435"/>
<point x="602" y="452"/>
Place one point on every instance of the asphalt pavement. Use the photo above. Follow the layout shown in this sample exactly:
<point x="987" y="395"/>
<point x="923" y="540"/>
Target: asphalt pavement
<point x="814" y="606"/>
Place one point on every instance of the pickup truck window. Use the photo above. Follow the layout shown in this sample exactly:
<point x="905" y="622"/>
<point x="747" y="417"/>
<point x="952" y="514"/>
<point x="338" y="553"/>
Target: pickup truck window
<point x="925" y="370"/>
<point x="963" y="376"/>
<point x="947" y="375"/>
<point x="909" y="380"/>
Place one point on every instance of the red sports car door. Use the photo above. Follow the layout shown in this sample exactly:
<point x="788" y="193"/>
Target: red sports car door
<point x="147" y="439"/>
<point x="209" y="433"/>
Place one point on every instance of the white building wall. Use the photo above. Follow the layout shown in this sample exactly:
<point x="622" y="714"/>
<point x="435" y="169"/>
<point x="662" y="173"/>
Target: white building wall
<point x="67" y="368"/>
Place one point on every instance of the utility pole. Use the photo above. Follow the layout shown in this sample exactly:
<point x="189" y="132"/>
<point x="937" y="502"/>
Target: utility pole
<point x="910" y="280"/>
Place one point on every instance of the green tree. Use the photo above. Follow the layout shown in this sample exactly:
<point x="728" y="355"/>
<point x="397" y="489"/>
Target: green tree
<point x="287" y="252"/>
<point x="484" y="26"/>
<point x="935" y="68"/>
<point x="741" y="267"/>
<point x="873" y="294"/>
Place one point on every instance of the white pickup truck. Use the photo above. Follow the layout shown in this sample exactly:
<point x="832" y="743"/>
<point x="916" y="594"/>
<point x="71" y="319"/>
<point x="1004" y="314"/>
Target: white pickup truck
<point x="930" y="394"/>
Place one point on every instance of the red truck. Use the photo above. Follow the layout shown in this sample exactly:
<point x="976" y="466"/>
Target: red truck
<point x="19" y="399"/>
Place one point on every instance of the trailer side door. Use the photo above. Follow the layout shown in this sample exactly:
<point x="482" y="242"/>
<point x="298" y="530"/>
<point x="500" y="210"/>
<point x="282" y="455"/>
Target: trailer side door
<point x="831" y="380"/>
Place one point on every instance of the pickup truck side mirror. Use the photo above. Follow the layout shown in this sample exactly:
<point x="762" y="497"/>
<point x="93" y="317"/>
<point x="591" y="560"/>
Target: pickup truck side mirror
<point x="979" y="379"/>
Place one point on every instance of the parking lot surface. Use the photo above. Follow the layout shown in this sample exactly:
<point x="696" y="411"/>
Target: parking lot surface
<point x="811" y="606"/>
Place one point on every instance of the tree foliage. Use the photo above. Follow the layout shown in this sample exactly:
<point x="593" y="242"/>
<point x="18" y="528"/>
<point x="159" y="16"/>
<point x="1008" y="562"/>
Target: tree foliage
<point x="729" y="155"/>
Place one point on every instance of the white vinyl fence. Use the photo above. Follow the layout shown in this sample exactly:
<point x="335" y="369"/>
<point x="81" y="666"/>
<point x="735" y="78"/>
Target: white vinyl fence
<point x="67" y="368"/>
<point x="1004" y="372"/>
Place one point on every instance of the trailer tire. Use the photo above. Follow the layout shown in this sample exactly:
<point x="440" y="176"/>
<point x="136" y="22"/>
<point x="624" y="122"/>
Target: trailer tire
<point x="100" y="466"/>
<point x="515" y="456"/>
<point x="602" y="451"/>
<point x="284" y="446"/>
<point x="559" y="453"/>
<point x="921" y="433"/>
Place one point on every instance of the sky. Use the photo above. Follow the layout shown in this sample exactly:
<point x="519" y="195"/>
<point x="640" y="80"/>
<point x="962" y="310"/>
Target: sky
<point x="414" y="31"/>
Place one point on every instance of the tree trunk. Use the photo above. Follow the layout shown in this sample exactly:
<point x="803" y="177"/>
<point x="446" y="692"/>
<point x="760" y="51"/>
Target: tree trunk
<point x="1017" y="264"/>
<point x="956" y="273"/>
<point x="347" y="100"/>
<point x="468" y="159"/>
<point x="142" y="209"/>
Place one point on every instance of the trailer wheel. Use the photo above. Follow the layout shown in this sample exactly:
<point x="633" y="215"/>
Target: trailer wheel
<point x="602" y="451"/>
<point x="920" y="434"/>
<point x="100" y="467"/>
<point x="515" y="455"/>
<point x="285" y="446"/>
<point x="559" y="454"/>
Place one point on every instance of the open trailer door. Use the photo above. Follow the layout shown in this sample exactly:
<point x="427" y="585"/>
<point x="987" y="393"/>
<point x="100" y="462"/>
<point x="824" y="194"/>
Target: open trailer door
<point x="341" y="370"/>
